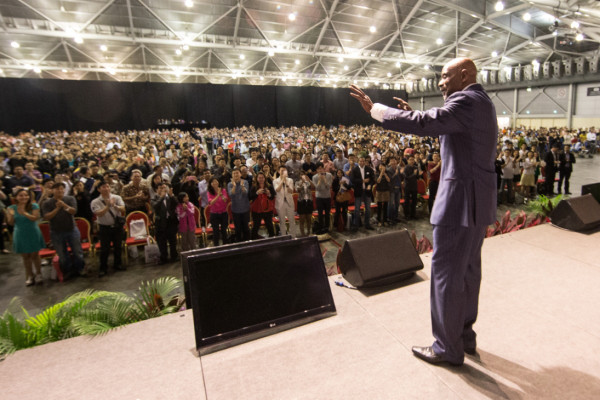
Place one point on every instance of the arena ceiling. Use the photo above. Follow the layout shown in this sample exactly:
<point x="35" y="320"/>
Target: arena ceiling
<point x="299" y="42"/>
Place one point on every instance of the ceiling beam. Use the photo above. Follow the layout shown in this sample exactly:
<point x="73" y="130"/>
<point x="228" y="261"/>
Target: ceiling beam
<point x="327" y="20"/>
<point x="159" y="19"/>
<point x="41" y="14"/>
<point x="257" y="27"/>
<point x="237" y="22"/>
<point x="95" y="16"/>
<point x="130" y="16"/>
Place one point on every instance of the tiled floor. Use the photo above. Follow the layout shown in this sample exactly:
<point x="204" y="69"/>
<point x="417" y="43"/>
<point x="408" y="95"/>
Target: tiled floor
<point x="37" y="297"/>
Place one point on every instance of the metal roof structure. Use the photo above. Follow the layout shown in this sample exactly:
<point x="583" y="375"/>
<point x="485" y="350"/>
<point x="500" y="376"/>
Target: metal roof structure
<point x="294" y="42"/>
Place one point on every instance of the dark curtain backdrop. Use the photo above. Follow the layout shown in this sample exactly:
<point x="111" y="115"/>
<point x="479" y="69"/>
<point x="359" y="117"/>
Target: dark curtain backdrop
<point x="47" y="105"/>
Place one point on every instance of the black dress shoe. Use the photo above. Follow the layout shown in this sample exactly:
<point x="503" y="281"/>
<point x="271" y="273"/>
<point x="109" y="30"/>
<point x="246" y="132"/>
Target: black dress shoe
<point x="120" y="268"/>
<point x="101" y="273"/>
<point x="369" y="228"/>
<point x="427" y="354"/>
<point x="472" y="351"/>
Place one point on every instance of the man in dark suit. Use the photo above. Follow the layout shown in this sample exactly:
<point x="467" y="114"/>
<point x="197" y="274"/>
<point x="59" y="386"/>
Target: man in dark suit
<point x="362" y="178"/>
<point x="552" y="161"/>
<point x="165" y="221"/>
<point x="565" y="168"/>
<point x="410" y="188"/>
<point x="465" y="204"/>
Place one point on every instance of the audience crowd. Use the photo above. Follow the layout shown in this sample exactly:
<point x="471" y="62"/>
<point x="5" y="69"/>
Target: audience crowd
<point x="245" y="177"/>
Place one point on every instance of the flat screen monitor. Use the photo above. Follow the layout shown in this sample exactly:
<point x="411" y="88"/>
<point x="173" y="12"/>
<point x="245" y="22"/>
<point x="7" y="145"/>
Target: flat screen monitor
<point x="186" y="254"/>
<point x="241" y="294"/>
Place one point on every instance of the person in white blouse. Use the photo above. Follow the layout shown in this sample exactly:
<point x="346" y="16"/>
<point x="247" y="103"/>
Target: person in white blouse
<point x="284" y="200"/>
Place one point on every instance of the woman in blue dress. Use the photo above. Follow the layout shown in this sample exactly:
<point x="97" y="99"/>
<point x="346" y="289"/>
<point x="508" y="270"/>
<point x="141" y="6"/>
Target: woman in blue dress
<point x="27" y="237"/>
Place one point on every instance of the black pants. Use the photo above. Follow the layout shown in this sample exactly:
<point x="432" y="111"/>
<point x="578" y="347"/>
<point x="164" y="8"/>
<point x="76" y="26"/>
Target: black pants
<point x="549" y="182"/>
<point x="219" y="224"/>
<point x="341" y="209"/>
<point x="410" y="203"/>
<point x="564" y="176"/>
<point x="382" y="211"/>
<point x="164" y="237"/>
<point x="110" y="234"/>
<point x="1" y="233"/>
<point x="256" y="220"/>
<point x="324" y="212"/>
<point x="242" y="230"/>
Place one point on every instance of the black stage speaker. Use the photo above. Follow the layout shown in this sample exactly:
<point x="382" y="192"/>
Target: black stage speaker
<point x="261" y="288"/>
<point x="577" y="213"/>
<point x="379" y="259"/>
<point x="593" y="189"/>
<point x="187" y="254"/>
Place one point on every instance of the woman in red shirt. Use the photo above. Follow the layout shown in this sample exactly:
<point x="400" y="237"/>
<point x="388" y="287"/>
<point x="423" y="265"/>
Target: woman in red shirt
<point x="261" y="207"/>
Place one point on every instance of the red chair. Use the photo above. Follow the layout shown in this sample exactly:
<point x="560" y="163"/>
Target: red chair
<point x="132" y="241"/>
<point x="85" y="232"/>
<point x="198" y="220"/>
<point x="47" y="252"/>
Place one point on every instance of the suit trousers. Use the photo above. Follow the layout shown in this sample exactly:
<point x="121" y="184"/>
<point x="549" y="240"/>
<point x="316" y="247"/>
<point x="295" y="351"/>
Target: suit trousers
<point x="564" y="176"/>
<point x="110" y="234"/>
<point x="455" y="282"/>
<point x="167" y="236"/>
<point x="394" y="204"/>
<point x="287" y="210"/>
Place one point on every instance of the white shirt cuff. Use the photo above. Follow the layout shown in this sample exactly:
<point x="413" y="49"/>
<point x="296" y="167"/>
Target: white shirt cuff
<point x="377" y="111"/>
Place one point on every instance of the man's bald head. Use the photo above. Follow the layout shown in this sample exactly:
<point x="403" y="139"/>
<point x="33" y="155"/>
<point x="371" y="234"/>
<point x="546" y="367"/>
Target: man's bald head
<point x="457" y="74"/>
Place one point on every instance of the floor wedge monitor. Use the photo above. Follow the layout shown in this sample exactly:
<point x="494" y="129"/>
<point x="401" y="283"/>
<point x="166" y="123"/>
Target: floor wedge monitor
<point x="577" y="213"/>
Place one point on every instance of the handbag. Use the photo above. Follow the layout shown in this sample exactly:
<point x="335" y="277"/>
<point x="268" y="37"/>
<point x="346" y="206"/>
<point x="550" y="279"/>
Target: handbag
<point x="151" y="251"/>
<point x="343" y="196"/>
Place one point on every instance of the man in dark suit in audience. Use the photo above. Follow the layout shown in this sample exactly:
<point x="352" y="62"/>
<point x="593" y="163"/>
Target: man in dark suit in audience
<point x="552" y="160"/>
<point x="565" y="168"/>
<point x="165" y="221"/>
<point x="465" y="204"/>
<point x="362" y="178"/>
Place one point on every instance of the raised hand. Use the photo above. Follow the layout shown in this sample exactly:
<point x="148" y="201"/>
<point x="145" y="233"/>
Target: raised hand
<point x="358" y="94"/>
<point x="403" y="105"/>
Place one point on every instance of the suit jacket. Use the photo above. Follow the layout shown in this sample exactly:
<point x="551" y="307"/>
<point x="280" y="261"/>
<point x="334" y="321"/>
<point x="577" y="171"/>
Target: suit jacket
<point x="468" y="131"/>
<point x="357" y="179"/>
<point x="564" y="166"/>
<point x="283" y="196"/>
<point x="161" y="221"/>
<point x="550" y="168"/>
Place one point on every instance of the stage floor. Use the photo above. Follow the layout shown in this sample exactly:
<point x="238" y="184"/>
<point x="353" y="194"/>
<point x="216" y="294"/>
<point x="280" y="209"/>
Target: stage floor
<point x="538" y="337"/>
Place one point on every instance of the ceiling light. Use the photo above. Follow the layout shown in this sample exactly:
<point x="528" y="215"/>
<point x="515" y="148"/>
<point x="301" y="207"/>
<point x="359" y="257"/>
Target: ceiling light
<point x="494" y="53"/>
<point x="398" y="65"/>
<point x="535" y="62"/>
<point x="327" y="81"/>
<point x="242" y="56"/>
<point x="284" y="79"/>
<point x="178" y="52"/>
<point x="579" y="37"/>
<point x="292" y="16"/>
<point x="78" y="39"/>
<point x="262" y="78"/>
<point x="345" y="68"/>
<point x="16" y="45"/>
<point x="426" y="66"/>
<point x="574" y="25"/>
<point x="64" y="70"/>
<point x="366" y="84"/>
<point x="389" y="74"/>
<point x="37" y="70"/>
<point x="103" y="47"/>
<point x="528" y="112"/>
<point x="189" y="3"/>
<point x="529" y="89"/>
<point x="112" y="71"/>
<point x="439" y="41"/>
<point x="271" y="53"/>
<point x="340" y="59"/>
<point x="376" y="83"/>
<point x="499" y="6"/>
<point x="297" y="62"/>
<point x="355" y="82"/>
<point x="526" y="16"/>
<point x="299" y="80"/>
<point x="555" y="33"/>
<point x="555" y="112"/>
<point x="185" y="47"/>
<point x="28" y="66"/>
<point x="372" y="29"/>
<point x="335" y="86"/>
